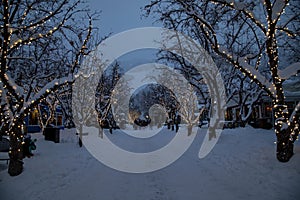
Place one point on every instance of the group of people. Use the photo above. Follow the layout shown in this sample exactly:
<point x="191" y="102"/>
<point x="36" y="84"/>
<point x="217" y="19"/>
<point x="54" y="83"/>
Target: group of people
<point x="28" y="146"/>
<point x="174" y="119"/>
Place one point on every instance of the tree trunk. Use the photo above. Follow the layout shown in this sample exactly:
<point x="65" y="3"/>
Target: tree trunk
<point x="100" y="133"/>
<point x="15" y="166"/>
<point x="190" y="129"/>
<point x="285" y="145"/>
<point x="211" y="132"/>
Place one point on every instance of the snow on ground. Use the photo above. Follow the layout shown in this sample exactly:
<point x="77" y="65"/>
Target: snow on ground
<point x="242" y="165"/>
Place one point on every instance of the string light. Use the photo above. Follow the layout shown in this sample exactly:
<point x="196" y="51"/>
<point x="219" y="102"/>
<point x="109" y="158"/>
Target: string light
<point x="283" y="127"/>
<point x="12" y="115"/>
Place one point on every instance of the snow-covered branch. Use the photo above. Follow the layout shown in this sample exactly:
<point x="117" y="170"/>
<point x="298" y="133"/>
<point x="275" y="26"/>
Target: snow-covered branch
<point x="289" y="71"/>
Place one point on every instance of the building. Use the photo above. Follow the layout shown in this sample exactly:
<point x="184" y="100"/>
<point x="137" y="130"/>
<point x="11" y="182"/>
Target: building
<point x="262" y="113"/>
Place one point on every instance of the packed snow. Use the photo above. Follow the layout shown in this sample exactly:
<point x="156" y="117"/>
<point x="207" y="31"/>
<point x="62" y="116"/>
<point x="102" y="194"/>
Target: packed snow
<point x="242" y="165"/>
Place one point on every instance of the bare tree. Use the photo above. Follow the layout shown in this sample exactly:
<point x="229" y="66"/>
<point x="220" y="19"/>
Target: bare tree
<point x="41" y="46"/>
<point x="243" y="33"/>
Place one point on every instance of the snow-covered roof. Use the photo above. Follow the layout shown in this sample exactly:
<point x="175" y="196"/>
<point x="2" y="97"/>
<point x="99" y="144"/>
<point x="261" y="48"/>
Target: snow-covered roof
<point x="292" y="88"/>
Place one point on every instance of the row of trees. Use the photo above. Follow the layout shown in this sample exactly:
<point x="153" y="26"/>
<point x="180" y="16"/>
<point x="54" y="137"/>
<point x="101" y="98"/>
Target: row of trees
<point x="258" y="39"/>
<point x="42" y="44"/>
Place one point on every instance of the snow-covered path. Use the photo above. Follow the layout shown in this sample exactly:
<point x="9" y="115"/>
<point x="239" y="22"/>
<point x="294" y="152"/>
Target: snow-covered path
<point x="241" y="166"/>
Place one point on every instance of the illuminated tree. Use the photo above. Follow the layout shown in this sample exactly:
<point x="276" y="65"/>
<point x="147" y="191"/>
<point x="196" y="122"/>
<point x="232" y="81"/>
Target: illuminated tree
<point x="186" y="104"/>
<point x="110" y="89"/>
<point x="64" y="97"/>
<point x="83" y="104"/>
<point x="46" y="110"/>
<point x="244" y="32"/>
<point x="41" y="46"/>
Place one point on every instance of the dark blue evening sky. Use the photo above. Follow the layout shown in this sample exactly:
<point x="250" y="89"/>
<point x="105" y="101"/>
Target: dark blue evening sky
<point x="120" y="15"/>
